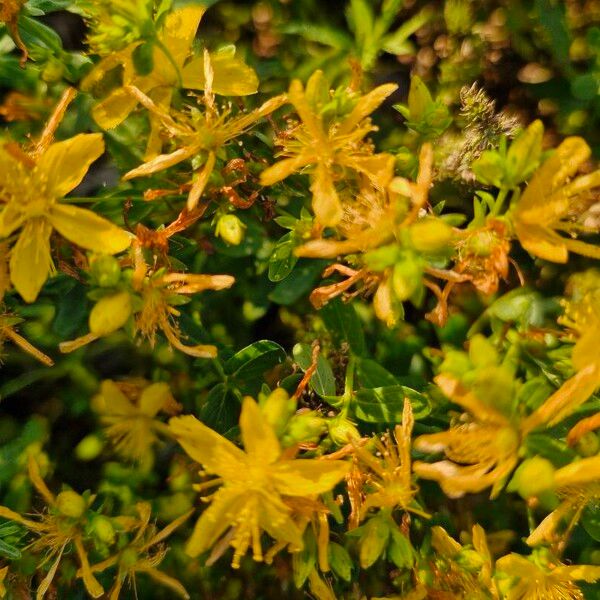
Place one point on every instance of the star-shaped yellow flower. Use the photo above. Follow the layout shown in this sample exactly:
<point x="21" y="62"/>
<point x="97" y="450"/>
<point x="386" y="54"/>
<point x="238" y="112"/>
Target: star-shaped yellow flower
<point x="232" y="77"/>
<point x="551" y="199"/>
<point x="32" y="183"/>
<point x="255" y="483"/>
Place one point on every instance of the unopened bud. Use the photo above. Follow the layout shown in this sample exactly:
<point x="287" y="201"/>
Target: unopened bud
<point x="105" y="270"/>
<point x="534" y="476"/>
<point x="430" y="235"/>
<point x="230" y="229"/>
<point x="70" y="504"/>
<point x="278" y="409"/>
<point x="110" y="313"/>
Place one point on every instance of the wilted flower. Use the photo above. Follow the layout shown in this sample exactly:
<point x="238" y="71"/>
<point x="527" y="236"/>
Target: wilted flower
<point x="58" y="530"/>
<point x="143" y="553"/>
<point x="255" y="482"/>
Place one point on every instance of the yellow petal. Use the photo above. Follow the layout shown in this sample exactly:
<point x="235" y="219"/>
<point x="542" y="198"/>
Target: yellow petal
<point x="365" y="106"/>
<point x="88" y="230"/>
<point x="379" y="168"/>
<point x="542" y="242"/>
<point x="92" y="585"/>
<point x="232" y="76"/>
<point x="275" y="519"/>
<point x="216" y="453"/>
<point x="284" y="168"/>
<point x="259" y="439"/>
<point x="30" y="260"/>
<point x="11" y="218"/>
<point x="180" y="30"/>
<point x="161" y="162"/>
<point x="303" y="477"/>
<point x="587" y="573"/>
<point x="224" y="508"/>
<point x="163" y="578"/>
<point x="65" y="163"/>
<point x="110" y="400"/>
<point x="311" y="121"/>
<point x="114" y="109"/>
<point x="579" y="473"/>
<point x="201" y="181"/>
<point x="155" y="398"/>
<point x="326" y="204"/>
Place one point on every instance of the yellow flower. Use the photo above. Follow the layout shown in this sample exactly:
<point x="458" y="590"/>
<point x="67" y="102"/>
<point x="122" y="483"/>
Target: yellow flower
<point x="255" y="483"/>
<point x="551" y="199"/>
<point x="198" y="132"/>
<point x="128" y="412"/>
<point x="59" y="530"/>
<point x="578" y="484"/>
<point x="551" y="581"/>
<point x="32" y="183"/>
<point x="481" y="450"/>
<point x="139" y="556"/>
<point x="232" y="77"/>
<point x="327" y="151"/>
<point x="387" y="472"/>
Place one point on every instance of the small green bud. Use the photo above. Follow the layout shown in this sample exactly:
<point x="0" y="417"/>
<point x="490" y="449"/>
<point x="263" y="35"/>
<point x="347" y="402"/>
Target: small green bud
<point x="110" y="313"/>
<point x="306" y="427"/>
<point x="342" y="430"/>
<point x="430" y="235"/>
<point x="89" y="448"/>
<point x="230" y="229"/>
<point x="70" y="504"/>
<point x="278" y="409"/>
<point x="534" y="476"/>
<point x="105" y="270"/>
<point x="103" y="529"/>
<point x="470" y="560"/>
<point x="406" y="278"/>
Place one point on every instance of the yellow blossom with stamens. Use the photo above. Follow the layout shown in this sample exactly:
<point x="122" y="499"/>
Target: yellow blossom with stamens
<point x="577" y="484"/>
<point x="551" y="199"/>
<point x="33" y="181"/>
<point x="171" y="69"/>
<point x="387" y="478"/>
<point x="198" y="132"/>
<point x="481" y="450"/>
<point x="533" y="580"/>
<point x="329" y="151"/>
<point x="255" y="484"/>
<point x="128" y="412"/>
<point x="142" y="554"/>
<point x="59" y="529"/>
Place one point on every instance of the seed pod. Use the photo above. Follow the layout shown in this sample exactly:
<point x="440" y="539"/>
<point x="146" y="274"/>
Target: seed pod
<point x="230" y="229"/>
<point x="70" y="504"/>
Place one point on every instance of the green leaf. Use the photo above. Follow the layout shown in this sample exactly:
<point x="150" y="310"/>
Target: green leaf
<point x="400" y="551"/>
<point x="340" y="561"/>
<point x="343" y="324"/>
<point x="590" y="519"/>
<point x="221" y="409"/>
<point x="8" y="551"/>
<point x="370" y="374"/>
<point x="323" y="380"/>
<point x="385" y="404"/>
<point x="303" y="562"/>
<point x="548" y="446"/>
<point x="524" y="154"/>
<point x="248" y="366"/>
<point x="373" y="541"/>
<point x="298" y="283"/>
<point x="283" y="259"/>
<point x="489" y="168"/>
<point x="419" y="98"/>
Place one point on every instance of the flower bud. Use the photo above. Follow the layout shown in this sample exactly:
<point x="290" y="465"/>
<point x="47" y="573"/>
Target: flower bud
<point x="110" y="313"/>
<point x="105" y="270"/>
<point x="70" y="504"/>
<point x="306" y="427"/>
<point x="103" y="529"/>
<point x="89" y="448"/>
<point x="534" y="476"/>
<point x="230" y="229"/>
<point x="278" y="408"/>
<point x="342" y="431"/>
<point x="430" y="235"/>
<point x="406" y="278"/>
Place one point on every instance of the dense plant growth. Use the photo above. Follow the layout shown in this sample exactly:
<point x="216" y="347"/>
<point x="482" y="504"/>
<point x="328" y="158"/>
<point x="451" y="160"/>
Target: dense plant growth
<point x="299" y="298"/>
